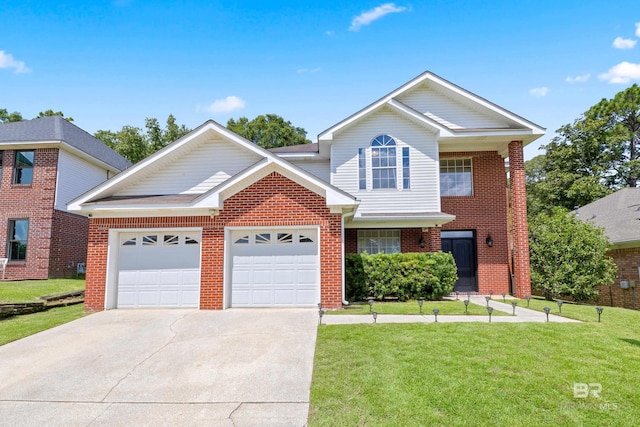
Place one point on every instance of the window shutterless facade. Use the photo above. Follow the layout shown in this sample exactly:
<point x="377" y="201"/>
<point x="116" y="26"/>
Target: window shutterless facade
<point x="456" y="177"/>
<point x="379" y="241"/>
<point x="23" y="170"/>
<point x="17" y="241"/>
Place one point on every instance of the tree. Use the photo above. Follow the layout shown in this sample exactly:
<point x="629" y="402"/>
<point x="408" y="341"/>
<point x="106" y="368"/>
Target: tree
<point x="51" y="113"/>
<point x="6" y="117"/>
<point x="269" y="131"/>
<point x="134" y="144"/>
<point x="568" y="256"/>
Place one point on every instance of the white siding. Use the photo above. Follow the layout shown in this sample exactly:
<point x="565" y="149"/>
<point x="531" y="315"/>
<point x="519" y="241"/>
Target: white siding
<point x="452" y="114"/>
<point x="424" y="193"/>
<point x="317" y="168"/>
<point x="197" y="171"/>
<point x="75" y="176"/>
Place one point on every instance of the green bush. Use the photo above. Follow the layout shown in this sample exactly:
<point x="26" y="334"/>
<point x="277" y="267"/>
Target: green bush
<point x="404" y="276"/>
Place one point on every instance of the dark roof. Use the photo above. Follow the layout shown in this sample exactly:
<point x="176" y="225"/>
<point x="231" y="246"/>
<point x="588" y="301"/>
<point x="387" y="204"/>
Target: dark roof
<point x="617" y="213"/>
<point x="56" y="128"/>
<point x="302" y="148"/>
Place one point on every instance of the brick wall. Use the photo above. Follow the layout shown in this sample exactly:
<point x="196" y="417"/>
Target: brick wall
<point x="486" y="213"/>
<point x="34" y="202"/>
<point x="628" y="261"/>
<point x="273" y="201"/>
<point x="68" y="243"/>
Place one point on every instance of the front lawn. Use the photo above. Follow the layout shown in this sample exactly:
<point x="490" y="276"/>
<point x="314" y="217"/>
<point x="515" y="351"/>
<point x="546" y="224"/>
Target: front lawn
<point x="412" y="307"/>
<point x="17" y="327"/>
<point x="28" y="290"/>
<point x="518" y="374"/>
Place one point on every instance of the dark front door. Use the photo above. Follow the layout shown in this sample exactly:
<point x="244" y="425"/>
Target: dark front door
<point x="464" y="252"/>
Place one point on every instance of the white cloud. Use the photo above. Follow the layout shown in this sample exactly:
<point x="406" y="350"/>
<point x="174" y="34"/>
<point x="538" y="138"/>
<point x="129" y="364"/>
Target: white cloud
<point x="578" y="79"/>
<point x="329" y="33"/>
<point x="638" y="29"/>
<point x="620" y="43"/>
<point x="366" y="18"/>
<point x="225" y="105"/>
<point x="539" y="92"/>
<point x="624" y="72"/>
<point x="8" y="61"/>
<point x="307" y="70"/>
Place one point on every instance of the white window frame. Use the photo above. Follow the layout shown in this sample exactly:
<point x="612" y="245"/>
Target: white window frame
<point x="458" y="170"/>
<point x="374" y="241"/>
<point x="401" y="169"/>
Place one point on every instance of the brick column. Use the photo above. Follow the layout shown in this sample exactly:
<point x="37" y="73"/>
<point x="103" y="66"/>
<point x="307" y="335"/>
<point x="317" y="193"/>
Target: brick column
<point x="520" y="229"/>
<point x="435" y="243"/>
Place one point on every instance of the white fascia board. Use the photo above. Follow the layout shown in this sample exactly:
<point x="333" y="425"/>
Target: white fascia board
<point x="154" y="211"/>
<point x="398" y="222"/>
<point x="29" y="145"/>
<point x="300" y="156"/>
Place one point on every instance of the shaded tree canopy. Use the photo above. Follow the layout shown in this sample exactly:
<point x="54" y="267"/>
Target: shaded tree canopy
<point x="6" y="117"/>
<point x="588" y="159"/>
<point x="51" y="113"/>
<point x="135" y="144"/>
<point x="269" y="131"/>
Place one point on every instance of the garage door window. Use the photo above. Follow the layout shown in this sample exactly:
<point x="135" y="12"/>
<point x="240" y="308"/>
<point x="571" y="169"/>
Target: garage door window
<point x="305" y="239"/>
<point x="150" y="240"/>
<point x="129" y="242"/>
<point x="285" y="238"/>
<point x="171" y="240"/>
<point x="263" y="238"/>
<point x="189" y="240"/>
<point x="244" y="240"/>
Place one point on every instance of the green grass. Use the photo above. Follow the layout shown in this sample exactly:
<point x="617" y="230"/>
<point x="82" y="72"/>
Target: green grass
<point x="412" y="307"/>
<point x="28" y="290"/>
<point x="471" y="374"/>
<point x="18" y="327"/>
<point x="585" y="313"/>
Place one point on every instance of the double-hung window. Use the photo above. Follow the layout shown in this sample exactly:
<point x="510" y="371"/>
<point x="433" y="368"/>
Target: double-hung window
<point x="23" y="171"/>
<point x="389" y="165"/>
<point x="456" y="177"/>
<point x="17" y="242"/>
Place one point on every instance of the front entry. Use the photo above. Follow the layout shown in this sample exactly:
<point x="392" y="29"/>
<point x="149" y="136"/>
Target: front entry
<point x="462" y="245"/>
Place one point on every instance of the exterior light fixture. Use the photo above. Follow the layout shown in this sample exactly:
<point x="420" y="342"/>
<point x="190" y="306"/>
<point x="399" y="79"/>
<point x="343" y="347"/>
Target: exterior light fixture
<point x="490" y="310"/>
<point x="487" y="298"/>
<point x="528" y="298"/>
<point x="490" y="294"/>
<point x="504" y="294"/>
<point x="513" y="304"/>
<point x="421" y="241"/>
<point x="375" y="316"/>
<point x="559" y="306"/>
<point x="599" y="310"/>
<point x="466" y="306"/>
<point x="370" y="304"/>
<point x="435" y="313"/>
<point x="319" y="306"/>
<point x="546" y="311"/>
<point x="420" y="302"/>
<point x="489" y="240"/>
<point x="321" y="313"/>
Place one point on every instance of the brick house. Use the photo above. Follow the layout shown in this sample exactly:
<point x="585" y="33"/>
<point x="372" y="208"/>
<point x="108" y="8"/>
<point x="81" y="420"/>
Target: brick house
<point x="44" y="163"/>
<point x="213" y="221"/>
<point x="618" y="214"/>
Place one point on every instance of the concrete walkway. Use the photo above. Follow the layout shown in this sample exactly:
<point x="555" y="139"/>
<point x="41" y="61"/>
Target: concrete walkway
<point x="523" y="314"/>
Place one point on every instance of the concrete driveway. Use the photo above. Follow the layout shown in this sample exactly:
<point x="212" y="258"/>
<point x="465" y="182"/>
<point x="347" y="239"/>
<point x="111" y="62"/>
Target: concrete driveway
<point x="238" y="367"/>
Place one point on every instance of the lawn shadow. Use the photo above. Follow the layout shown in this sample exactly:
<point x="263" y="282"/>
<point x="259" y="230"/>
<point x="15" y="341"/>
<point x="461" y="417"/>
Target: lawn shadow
<point x="630" y="341"/>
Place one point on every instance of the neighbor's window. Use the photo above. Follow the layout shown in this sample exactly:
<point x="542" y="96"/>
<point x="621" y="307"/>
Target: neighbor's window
<point x="23" y="173"/>
<point x="383" y="162"/>
<point x="379" y="241"/>
<point x="456" y="177"/>
<point x="18" y="231"/>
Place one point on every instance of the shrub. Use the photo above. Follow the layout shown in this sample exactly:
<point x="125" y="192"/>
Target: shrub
<point x="403" y="276"/>
<point x="568" y="257"/>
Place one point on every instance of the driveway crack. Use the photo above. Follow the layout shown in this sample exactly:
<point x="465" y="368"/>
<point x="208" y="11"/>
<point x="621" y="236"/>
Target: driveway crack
<point x="159" y="349"/>
<point x="233" y="412"/>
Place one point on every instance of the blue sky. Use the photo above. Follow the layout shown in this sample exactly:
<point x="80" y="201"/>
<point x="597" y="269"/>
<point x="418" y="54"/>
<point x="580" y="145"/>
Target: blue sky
<point x="113" y="63"/>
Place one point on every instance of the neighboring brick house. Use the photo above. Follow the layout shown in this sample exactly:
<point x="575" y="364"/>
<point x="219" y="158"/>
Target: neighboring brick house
<point x="44" y="163"/>
<point x="213" y="221"/>
<point x="619" y="215"/>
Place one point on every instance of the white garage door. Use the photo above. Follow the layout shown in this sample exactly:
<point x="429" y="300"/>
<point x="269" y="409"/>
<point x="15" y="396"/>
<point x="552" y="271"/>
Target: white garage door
<point x="275" y="268"/>
<point x="159" y="269"/>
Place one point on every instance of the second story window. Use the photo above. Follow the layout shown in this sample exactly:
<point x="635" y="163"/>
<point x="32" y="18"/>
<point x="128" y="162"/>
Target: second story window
<point x="456" y="177"/>
<point x="23" y="172"/>
<point x="383" y="162"/>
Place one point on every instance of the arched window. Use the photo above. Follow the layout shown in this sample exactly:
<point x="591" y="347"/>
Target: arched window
<point x="383" y="162"/>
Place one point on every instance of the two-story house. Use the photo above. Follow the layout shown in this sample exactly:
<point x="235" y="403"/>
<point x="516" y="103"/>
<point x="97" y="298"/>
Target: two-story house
<point x="213" y="221"/>
<point x="44" y="163"/>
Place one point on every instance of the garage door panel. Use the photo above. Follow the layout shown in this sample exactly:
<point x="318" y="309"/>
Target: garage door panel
<point x="163" y="273"/>
<point x="283" y="272"/>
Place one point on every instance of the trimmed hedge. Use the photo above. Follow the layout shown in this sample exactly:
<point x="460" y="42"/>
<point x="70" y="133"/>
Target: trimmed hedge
<point x="403" y="276"/>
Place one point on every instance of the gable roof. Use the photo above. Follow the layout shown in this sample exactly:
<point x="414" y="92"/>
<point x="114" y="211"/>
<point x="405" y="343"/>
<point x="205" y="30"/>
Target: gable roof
<point x="618" y="214"/>
<point x="518" y="126"/>
<point x="103" y="198"/>
<point x="56" y="129"/>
